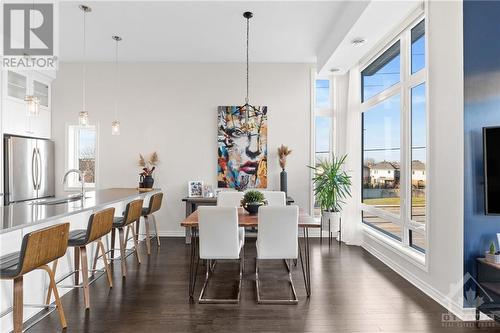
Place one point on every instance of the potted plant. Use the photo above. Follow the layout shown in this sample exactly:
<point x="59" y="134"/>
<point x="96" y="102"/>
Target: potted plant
<point x="332" y="185"/>
<point x="493" y="255"/>
<point x="148" y="167"/>
<point x="252" y="200"/>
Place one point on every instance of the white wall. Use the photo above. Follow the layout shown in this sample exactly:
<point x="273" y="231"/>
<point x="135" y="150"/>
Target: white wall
<point x="442" y="278"/>
<point x="171" y="109"/>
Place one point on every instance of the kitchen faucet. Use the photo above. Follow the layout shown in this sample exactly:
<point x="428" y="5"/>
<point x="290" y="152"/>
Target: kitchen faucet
<point x="82" y="179"/>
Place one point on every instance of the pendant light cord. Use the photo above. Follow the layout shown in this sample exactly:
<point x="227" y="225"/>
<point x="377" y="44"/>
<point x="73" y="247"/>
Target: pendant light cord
<point x="248" y="29"/>
<point x="84" y="79"/>
<point x="116" y="78"/>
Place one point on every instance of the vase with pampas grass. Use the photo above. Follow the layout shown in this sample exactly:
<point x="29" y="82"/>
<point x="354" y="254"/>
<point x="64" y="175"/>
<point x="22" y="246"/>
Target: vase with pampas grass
<point x="283" y="152"/>
<point x="148" y="167"/>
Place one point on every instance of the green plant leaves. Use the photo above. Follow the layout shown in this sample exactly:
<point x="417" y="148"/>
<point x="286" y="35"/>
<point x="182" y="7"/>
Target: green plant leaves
<point x="252" y="196"/>
<point x="332" y="185"/>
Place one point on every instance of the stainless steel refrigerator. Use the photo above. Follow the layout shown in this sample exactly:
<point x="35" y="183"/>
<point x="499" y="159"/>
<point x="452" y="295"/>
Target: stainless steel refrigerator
<point x="28" y="168"/>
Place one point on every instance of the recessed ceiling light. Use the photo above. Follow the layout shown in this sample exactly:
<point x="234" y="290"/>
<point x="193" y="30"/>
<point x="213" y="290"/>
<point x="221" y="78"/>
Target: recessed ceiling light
<point x="358" y="42"/>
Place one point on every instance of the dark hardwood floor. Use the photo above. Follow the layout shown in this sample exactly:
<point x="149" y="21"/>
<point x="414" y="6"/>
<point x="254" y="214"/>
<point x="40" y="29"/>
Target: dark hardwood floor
<point x="352" y="292"/>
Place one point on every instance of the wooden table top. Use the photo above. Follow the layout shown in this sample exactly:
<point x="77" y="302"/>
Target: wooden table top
<point x="247" y="220"/>
<point x="486" y="262"/>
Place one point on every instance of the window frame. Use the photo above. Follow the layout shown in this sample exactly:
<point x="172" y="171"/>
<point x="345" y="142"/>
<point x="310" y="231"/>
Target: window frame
<point x="91" y="186"/>
<point x="321" y="112"/>
<point x="404" y="87"/>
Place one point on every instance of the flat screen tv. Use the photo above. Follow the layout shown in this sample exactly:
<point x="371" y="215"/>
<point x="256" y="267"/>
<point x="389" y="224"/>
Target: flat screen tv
<point x="491" y="144"/>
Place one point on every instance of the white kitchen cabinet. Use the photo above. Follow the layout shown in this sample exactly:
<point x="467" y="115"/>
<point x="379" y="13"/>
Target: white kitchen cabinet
<point x="16" y="120"/>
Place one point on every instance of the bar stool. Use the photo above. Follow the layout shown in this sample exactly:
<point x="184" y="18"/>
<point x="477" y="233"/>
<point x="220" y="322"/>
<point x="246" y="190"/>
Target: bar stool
<point x="132" y="214"/>
<point x="147" y="212"/>
<point x="37" y="250"/>
<point x="99" y="225"/>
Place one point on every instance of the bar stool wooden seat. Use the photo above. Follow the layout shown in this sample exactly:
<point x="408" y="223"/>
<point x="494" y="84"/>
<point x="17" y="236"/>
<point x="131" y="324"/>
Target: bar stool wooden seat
<point x="99" y="225"/>
<point x="147" y="213"/>
<point x="38" y="249"/>
<point x="132" y="215"/>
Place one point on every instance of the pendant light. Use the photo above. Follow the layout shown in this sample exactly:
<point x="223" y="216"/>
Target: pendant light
<point x="32" y="105"/>
<point x="115" y="124"/>
<point x="83" y="116"/>
<point x="32" y="102"/>
<point x="247" y="107"/>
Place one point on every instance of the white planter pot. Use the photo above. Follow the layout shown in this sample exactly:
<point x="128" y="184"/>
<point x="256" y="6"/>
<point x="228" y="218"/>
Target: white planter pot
<point x="494" y="258"/>
<point x="331" y="219"/>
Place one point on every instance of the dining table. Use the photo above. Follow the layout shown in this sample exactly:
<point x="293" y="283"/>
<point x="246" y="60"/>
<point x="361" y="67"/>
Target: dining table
<point x="245" y="219"/>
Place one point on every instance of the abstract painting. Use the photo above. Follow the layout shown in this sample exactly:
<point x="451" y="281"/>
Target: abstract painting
<point x="242" y="147"/>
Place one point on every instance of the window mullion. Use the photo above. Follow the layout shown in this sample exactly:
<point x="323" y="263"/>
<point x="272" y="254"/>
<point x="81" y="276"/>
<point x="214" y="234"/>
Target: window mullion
<point x="405" y="188"/>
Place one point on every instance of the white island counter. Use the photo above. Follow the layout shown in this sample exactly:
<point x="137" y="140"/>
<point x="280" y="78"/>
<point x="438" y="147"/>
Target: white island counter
<point x="16" y="220"/>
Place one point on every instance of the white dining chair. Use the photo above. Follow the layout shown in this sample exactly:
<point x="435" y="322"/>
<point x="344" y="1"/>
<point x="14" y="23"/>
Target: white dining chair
<point x="229" y="199"/>
<point x="220" y="238"/>
<point x="277" y="238"/>
<point x="275" y="198"/>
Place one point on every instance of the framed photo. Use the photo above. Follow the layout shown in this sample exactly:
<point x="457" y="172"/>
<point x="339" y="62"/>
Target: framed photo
<point x="195" y="189"/>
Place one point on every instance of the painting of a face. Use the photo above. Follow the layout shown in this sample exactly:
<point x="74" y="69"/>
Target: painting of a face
<point x="242" y="147"/>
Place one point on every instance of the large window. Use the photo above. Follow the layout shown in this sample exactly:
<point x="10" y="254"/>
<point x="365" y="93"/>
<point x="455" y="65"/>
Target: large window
<point x="323" y="124"/>
<point x="82" y="149"/>
<point x="394" y="135"/>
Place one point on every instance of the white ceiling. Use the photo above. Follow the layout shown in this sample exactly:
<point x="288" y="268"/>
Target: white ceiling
<point x="377" y="22"/>
<point x="207" y="31"/>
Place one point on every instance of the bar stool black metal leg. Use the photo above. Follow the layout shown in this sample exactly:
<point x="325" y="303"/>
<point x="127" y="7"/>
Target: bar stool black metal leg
<point x="123" y="245"/>
<point x="112" y="248"/>
<point x="77" y="265"/>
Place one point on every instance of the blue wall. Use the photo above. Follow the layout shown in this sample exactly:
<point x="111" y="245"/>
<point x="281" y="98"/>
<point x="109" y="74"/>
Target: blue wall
<point x="482" y="108"/>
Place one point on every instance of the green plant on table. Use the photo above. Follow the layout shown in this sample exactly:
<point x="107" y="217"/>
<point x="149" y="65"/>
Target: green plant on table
<point x="332" y="185"/>
<point x="493" y="249"/>
<point x="252" y="197"/>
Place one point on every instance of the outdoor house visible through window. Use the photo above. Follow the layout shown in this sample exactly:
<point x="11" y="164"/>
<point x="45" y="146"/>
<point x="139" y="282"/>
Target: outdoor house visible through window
<point x="394" y="145"/>
<point x="323" y="124"/>
<point x="82" y="148"/>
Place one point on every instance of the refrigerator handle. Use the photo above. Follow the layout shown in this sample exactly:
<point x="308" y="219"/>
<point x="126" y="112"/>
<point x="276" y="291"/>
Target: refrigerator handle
<point x="34" y="165"/>
<point x="39" y="169"/>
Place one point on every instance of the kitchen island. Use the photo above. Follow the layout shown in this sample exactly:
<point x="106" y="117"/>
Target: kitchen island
<point x="18" y="219"/>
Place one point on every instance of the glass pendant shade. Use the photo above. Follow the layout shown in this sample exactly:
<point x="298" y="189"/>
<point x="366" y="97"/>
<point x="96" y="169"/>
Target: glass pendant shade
<point x="83" y="118"/>
<point x="32" y="105"/>
<point x="115" y="127"/>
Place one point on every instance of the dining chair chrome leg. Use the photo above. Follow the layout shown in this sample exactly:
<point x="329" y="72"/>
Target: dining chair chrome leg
<point x="291" y="301"/>
<point x="210" y="272"/>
